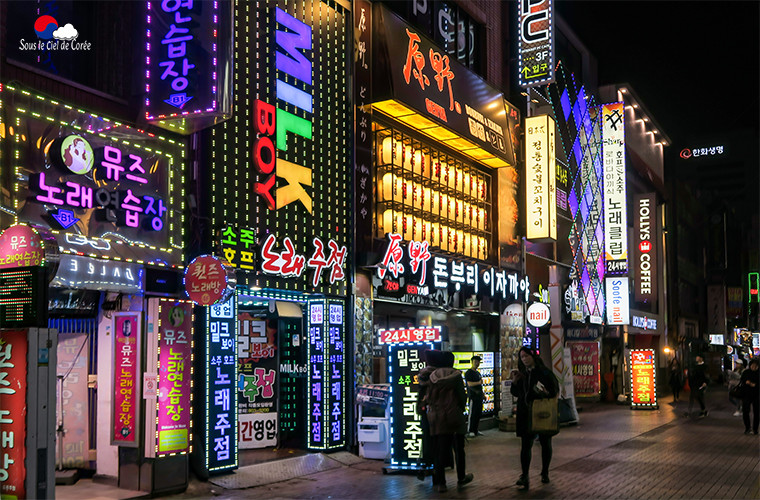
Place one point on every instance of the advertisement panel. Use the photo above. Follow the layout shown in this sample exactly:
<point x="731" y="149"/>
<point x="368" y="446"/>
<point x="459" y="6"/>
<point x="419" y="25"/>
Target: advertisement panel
<point x="585" y="358"/>
<point x="540" y="178"/>
<point x="645" y="248"/>
<point x="258" y="383"/>
<point x="643" y="378"/>
<point x="13" y="412"/>
<point x="536" y="43"/>
<point x="618" y="312"/>
<point x="175" y="378"/>
<point x="283" y="161"/>
<point x="126" y="370"/>
<point x="615" y="208"/>
<point x="23" y="297"/>
<point x="72" y="361"/>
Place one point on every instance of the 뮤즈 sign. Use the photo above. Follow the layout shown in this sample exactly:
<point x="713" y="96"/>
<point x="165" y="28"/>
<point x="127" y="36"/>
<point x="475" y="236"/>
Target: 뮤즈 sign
<point x="536" y="42"/>
<point x="126" y="356"/>
<point x="645" y="247"/>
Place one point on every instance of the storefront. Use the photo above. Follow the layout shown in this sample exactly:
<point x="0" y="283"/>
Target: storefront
<point x="278" y="202"/>
<point x="112" y="197"/>
<point x="436" y="205"/>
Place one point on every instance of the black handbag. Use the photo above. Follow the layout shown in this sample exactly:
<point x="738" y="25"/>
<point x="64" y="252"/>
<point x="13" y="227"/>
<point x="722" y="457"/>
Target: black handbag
<point x="738" y="391"/>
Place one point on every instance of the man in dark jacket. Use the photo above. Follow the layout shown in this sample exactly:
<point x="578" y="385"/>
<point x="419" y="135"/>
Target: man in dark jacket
<point x="698" y="385"/>
<point x="446" y="399"/>
<point x="751" y="382"/>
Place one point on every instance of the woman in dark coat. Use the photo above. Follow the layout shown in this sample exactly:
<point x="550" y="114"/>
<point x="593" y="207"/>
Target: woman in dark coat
<point x="446" y="400"/>
<point x="532" y="381"/>
<point x="751" y="382"/>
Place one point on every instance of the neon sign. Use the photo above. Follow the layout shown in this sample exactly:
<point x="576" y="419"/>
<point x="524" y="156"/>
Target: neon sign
<point x="643" y="378"/>
<point x="615" y="211"/>
<point x="13" y="408"/>
<point x="540" y="182"/>
<point x="422" y="334"/>
<point x="536" y="42"/>
<point x="76" y="271"/>
<point x="126" y="359"/>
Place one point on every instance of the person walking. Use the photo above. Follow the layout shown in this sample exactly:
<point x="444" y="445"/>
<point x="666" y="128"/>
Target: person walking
<point x="734" y="377"/>
<point x="446" y="399"/>
<point x="698" y="384"/>
<point x="751" y="397"/>
<point x="676" y="381"/>
<point x="532" y="381"/>
<point x="432" y="359"/>
<point x="475" y="395"/>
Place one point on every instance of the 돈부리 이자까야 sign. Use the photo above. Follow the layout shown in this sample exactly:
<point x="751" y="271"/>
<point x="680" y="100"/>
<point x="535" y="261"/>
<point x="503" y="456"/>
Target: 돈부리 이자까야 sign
<point x="99" y="179"/>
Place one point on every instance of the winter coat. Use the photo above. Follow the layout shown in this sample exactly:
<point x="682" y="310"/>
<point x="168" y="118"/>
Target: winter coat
<point x="753" y="376"/>
<point x="423" y="378"/>
<point x="698" y="376"/>
<point x="525" y="391"/>
<point x="446" y="400"/>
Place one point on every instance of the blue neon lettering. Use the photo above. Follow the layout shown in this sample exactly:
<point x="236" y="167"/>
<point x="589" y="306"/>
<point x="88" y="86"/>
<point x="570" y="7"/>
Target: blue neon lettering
<point x="292" y="61"/>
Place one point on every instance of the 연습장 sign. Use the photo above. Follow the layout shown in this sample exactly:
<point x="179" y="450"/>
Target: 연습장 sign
<point x="126" y="368"/>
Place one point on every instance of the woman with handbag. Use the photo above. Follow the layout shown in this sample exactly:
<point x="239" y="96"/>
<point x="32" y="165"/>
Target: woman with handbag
<point x="533" y="381"/>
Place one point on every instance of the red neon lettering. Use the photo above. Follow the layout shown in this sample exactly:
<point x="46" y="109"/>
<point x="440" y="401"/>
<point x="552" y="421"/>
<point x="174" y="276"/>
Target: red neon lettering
<point x="262" y="165"/>
<point x="263" y="117"/>
<point x="265" y="189"/>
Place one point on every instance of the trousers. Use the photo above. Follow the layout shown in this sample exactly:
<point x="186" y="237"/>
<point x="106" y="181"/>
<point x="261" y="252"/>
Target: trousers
<point x="443" y="446"/>
<point x="526" y="452"/>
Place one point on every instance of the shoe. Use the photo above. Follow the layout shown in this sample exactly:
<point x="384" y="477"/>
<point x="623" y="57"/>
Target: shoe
<point x="523" y="482"/>
<point x="478" y="433"/>
<point x="466" y="479"/>
<point x="470" y="434"/>
<point x="441" y="488"/>
<point x="737" y="413"/>
<point x="545" y="478"/>
<point x="703" y="414"/>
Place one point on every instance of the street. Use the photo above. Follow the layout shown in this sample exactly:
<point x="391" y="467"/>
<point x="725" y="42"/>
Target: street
<point x="613" y="453"/>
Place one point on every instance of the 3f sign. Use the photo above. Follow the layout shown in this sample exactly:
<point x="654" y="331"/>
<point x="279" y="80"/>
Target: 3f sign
<point x="529" y="35"/>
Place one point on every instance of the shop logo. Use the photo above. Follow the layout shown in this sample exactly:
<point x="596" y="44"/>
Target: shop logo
<point x="686" y="153"/>
<point x="52" y="37"/>
<point x="76" y="154"/>
<point x="645" y="246"/>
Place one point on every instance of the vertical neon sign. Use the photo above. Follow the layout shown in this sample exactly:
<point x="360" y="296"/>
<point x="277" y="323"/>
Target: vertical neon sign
<point x="316" y="389"/>
<point x="221" y="392"/>
<point x="336" y="370"/>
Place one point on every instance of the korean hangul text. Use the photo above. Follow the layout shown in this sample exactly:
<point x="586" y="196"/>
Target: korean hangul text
<point x="50" y="191"/>
<point x="457" y="274"/>
<point x="156" y="208"/>
<point x="440" y="272"/>
<point x="471" y="276"/>
<point x="78" y="195"/>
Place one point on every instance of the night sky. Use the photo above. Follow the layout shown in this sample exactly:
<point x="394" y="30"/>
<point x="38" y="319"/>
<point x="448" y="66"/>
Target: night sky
<point x="694" y="64"/>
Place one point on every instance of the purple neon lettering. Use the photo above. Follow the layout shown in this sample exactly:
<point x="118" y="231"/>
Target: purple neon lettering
<point x="292" y="60"/>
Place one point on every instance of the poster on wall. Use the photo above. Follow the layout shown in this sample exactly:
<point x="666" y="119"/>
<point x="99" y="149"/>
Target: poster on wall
<point x="257" y="381"/>
<point x="13" y="408"/>
<point x="73" y="360"/>
<point x="585" y="358"/>
<point x="126" y="370"/>
<point x="175" y="378"/>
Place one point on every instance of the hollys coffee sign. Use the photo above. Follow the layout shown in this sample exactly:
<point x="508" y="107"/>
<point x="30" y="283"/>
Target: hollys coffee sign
<point x="645" y="248"/>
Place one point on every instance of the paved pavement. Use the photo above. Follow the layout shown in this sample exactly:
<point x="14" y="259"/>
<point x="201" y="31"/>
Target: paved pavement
<point x="613" y="453"/>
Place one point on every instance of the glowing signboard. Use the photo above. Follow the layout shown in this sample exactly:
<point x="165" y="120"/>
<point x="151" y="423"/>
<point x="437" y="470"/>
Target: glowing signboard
<point x="221" y="395"/>
<point x="13" y="409"/>
<point x="21" y="246"/>
<point x="540" y="178"/>
<point x="335" y="381"/>
<point x="23" y="292"/>
<point x="615" y="209"/>
<point x="687" y="153"/>
<point x="421" y="334"/>
<point x="717" y="339"/>
<point x="536" y="42"/>
<point x="643" y="322"/>
<point x="76" y="271"/>
<point x="618" y="312"/>
<point x="207" y="281"/>
<point x="175" y="378"/>
<point x="538" y="314"/>
<point x="404" y="363"/>
<point x="645" y="244"/>
<point x="88" y="175"/>
<point x="126" y="368"/>
<point x="316" y="380"/>
<point x="643" y="378"/>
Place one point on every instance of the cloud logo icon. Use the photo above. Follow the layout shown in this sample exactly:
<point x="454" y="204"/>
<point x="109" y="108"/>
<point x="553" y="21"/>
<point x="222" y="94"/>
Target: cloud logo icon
<point x="45" y="26"/>
<point x="66" y="32"/>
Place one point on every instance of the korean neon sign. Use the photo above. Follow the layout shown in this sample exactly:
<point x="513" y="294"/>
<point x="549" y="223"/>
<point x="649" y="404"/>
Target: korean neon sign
<point x="221" y="392"/>
<point x="540" y="182"/>
<point x="124" y="429"/>
<point x="207" y="281"/>
<point x="316" y="382"/>
<point x="615" y="209"/>
<point x="643" y="378"/>
<point x="421" y="334"/>
<point x="175" y="378"/>
<point x="13" y="408"/>
<point x="536" y="42"/>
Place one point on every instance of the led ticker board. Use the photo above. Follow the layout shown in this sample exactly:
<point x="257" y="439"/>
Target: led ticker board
<point x="174" y="403"/>
<point x="82" y="174"/>
<point x="536" y="42"/>
<point x="404" y="363"/>
<point x="283" y="161"/>
<point x="326" y="378"/>
<point x="540" y="178"/>
<point x="615" y="208"/>
<point x="221" y="424"/>
<point x="404" y="335"/>
<point x="643" y="378"/>
<point x="23" y="297"/>
<point x="185" y="84"/>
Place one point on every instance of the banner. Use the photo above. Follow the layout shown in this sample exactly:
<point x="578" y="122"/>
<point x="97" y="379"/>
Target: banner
<point x="585" y="356"/>
<point x="13" y="408"/>
<point x="615" y="209"/>
<point x="126" y="368"/>
<point x="73" y="358"/>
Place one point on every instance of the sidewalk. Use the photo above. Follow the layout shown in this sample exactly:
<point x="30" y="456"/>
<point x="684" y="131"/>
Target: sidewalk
<point x="613" y="453"/>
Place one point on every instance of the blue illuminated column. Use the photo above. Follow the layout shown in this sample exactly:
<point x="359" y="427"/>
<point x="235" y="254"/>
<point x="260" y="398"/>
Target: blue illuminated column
<point x="221" y="392"/>
<point x="316" y="356"/>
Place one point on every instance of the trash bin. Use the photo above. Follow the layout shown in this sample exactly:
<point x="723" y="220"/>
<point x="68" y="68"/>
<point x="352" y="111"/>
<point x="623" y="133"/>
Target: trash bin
<point x="374" y="422"/>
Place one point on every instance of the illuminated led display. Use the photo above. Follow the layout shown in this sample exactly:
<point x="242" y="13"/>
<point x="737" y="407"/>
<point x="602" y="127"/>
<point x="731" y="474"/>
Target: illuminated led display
<point x="363" y="185"/>
<point x="13" y="411"/>
<point x="540" y="182"/>
<point x="615" y="209"/>
<point x="536" y="42"/>
<point x="208" y="281"/>
<point x="174" y="404"/>
<point x="316" y="356"/>
<point x="404" y="363"/>
<point x="23" y="292"/>
<point x="454" y="198"/>
<point x="645" y="245"/>
<point x="643" y="378"/>
<point x="283" y="161"/>
<point x="134" y="193"/>
<point x="336" y="379"/>
<point x="421" y="334"/>
<point x="221" y="392"/>
<point x="125" y="410"/>
<point x="185" y="65"/>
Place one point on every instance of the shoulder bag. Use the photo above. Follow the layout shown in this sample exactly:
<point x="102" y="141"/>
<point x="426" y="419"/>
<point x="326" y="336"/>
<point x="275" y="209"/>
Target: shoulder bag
<point x="543" y="416"/>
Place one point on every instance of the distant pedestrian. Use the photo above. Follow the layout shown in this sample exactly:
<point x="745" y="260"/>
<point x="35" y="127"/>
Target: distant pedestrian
<point x="698" y="384"/>
<point x="446" y="400"/>
<point x="532" y="381"/>
<point x="676" y="380"/>
<point x="751" y="381"/>
<point x="734" y="377"/>
<point x="475" y="395"/>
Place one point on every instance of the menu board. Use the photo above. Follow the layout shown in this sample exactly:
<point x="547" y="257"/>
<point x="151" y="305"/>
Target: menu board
<point x="643" y="379"/>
